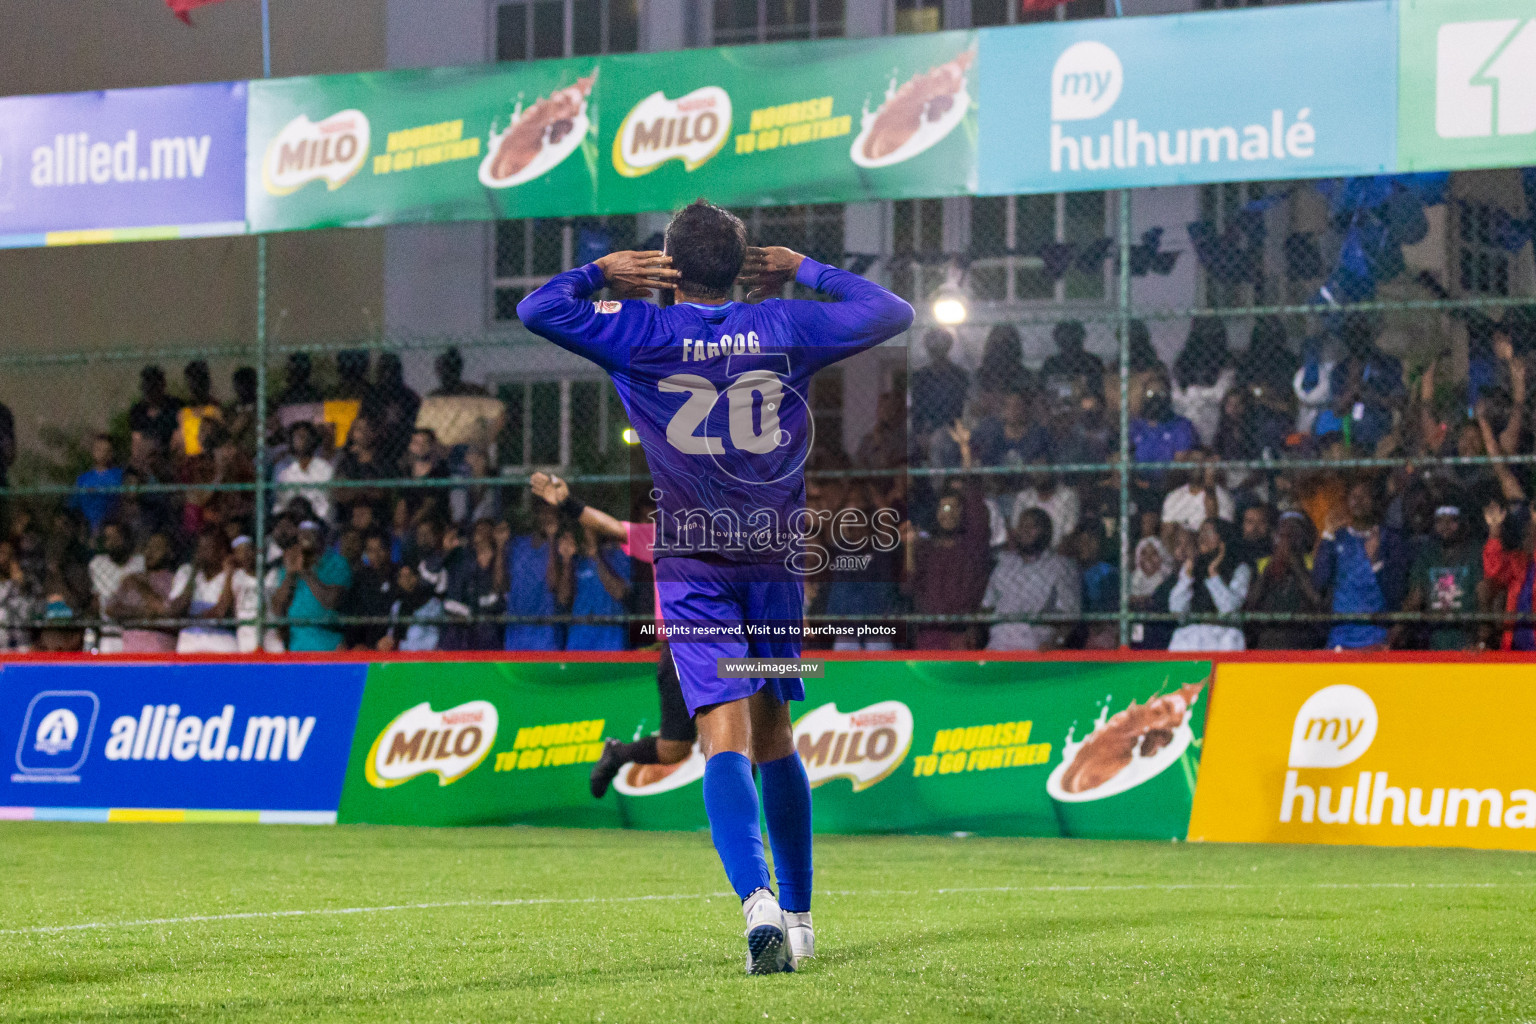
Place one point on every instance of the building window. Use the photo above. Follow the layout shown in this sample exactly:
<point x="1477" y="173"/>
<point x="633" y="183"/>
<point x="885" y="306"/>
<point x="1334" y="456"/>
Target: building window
<point x="536" y="29"/>
<point x="915" y="16"/>
<point x="768" y="21"/>
<point x="1006" y="234"/>
<point x="1481" y="263"/>
<point x="1221" y="206"/>
<point x="530" y="252"/>
<point x="562" y="422"/>
<point x="986" y="13"/>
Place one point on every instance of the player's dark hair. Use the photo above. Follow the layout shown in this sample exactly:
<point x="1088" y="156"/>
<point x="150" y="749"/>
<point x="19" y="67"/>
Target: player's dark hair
<point x="707" y="245"/>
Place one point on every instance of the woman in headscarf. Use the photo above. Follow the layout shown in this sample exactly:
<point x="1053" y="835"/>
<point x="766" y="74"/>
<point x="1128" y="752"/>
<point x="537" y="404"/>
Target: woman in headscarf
<point x="1214" y="581"/>
<point x="1152" y="581"/>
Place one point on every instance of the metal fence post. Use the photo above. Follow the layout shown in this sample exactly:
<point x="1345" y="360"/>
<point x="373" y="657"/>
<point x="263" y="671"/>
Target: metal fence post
<point x="261" y="442"/>
<point x="1123" y="331"/>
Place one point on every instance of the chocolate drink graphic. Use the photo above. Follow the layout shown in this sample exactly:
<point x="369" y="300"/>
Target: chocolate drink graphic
<point x="916" y="116"/>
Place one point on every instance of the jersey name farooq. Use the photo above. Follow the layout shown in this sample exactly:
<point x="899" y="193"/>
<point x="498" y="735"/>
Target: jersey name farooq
<point x="698" y="349"/>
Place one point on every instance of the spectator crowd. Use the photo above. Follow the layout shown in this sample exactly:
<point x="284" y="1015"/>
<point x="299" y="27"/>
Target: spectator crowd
<point x="390" y="528"/>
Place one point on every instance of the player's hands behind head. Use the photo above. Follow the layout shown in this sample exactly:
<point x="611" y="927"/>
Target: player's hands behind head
<point x="767" y="270"/>
<point x="549" y="487"/>
<point x="635" y="275"/>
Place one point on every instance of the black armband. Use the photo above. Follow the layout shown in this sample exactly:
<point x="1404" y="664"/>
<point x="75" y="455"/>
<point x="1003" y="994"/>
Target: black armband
<point x="572" y="508"/>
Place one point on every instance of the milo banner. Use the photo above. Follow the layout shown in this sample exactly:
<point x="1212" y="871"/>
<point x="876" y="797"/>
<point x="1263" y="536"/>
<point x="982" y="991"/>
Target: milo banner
<point x="790" y="123"/>
<point x="1095" y="749"/>
<point x="475" y="143"/>
<point x="1377" y="754"/>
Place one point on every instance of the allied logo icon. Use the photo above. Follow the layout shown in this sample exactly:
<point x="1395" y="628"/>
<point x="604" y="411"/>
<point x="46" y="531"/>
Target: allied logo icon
<point x="56" y="735"/>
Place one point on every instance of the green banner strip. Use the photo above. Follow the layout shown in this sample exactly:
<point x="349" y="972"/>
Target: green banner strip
<point x="1091" y="749"/>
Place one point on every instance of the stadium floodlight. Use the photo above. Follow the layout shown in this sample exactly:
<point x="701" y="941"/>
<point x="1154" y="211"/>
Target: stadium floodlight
<point x="951" y="302"/>
<point x="631" y="435"/>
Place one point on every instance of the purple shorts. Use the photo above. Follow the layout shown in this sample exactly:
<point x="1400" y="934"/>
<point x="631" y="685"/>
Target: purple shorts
<point x="713" y="609"/>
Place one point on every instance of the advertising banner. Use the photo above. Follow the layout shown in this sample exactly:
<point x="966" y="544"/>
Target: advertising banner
<point x="252" y="738"/>
<point x="1467" y="84"/>
<point x="1374" y="754"/>
<point x="475" y="143"/>
<point x="122" y="165"/>
<point x="833" y="121"/>
<point x="1005" y="748"/>
<point x="1278" y="93"/>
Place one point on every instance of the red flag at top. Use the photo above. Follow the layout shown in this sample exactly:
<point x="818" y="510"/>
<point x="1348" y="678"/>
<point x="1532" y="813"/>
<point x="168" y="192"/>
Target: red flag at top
<point x="184" y="8"/>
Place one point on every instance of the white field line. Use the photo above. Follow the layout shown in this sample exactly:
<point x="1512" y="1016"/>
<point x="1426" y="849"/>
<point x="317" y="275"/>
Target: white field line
<point x="255" y="915"/>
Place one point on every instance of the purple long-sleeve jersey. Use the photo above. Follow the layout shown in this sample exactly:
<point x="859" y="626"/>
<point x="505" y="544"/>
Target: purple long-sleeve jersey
<point x="718" y="395"/>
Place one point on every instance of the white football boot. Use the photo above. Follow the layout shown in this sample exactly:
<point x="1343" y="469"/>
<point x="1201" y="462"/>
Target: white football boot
<point x="767" y="934"/>
<point x="802" y="935"/>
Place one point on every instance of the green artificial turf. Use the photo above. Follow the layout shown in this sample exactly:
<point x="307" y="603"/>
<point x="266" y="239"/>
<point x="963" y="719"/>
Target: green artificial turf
<point x="919" y="929"/>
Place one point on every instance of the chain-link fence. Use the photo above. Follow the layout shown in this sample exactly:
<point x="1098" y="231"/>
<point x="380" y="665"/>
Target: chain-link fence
<point x="1321" y="388"/>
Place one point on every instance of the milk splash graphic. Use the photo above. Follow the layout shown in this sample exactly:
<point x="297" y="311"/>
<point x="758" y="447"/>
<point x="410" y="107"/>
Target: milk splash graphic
<point x="1127" y="733"/>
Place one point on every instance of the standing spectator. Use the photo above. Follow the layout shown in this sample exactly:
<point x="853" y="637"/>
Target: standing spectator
<point x="424" y="461"/>
<point x="533" y="579"/>
<point x="1214" y="581"/>
<point x="1045" y="492"/>
<point x="155" y="414"/>
<point x="430" y="555"/>
<point x="107" y="570"/>
<point x="1152" y="583"/>
<point x="310" y="583"/>
<point x="244" y="597"/>
<point x="868" y="592"/>
<point x="414" y="614"/>
<point x="946" y="571"/>
<point x="1012" y="438"/>
<point x="1363" y="567"/>
<point x="1510" y="570"/>
<point x="1284" y="584"/>
<point x="1159" y="434"/>
<point x="938" y="389"/>
<point x="478" y="500"/>
<point x="299" y="388"/>
<point x="1101" y="586"/>
<point x="1001" y="371"/>
<point x="1030" y="579"/>
<point x="1366" y="386"/>
<point x="7" y="450"/>
<point x="597" y="577"/>
<point x="304" y="466"/>
<point x="450" y="377"/>
<point x="231" y="465"/>
<point x="392" y="406"/>
<point x="885" y="446"/>
<point x="1198" y="497"/>
<point x="97" y="507"/>
<point x="205" y="593"/>
<point x="200" y="408"/>
<point x="1072" y="369"/>
<point x="477" y="587"/>
<point x="361" y="459"/>
<point x="17" y="601"/>
<point x="240" y="415"/>
<point x="371" y="594"/>
<point x="1202" y="376"/>
<point x="352" y="375"/>
<point x="1446" y="577"/>
<point x="1145" y="368"/>
<point x="144" y="595"/>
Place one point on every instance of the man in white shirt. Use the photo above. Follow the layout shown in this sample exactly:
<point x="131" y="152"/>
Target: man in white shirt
<point x="1188" y="504"/>
<point x="107" y="571"/>
<point x="242" y="588"/>
<point x="201" y="591"/>
<point x="305" y="467"/>
<point x="1031" y="579"/>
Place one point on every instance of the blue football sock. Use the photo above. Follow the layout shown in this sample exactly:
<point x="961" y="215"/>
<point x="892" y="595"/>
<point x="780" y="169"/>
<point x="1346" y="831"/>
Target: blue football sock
<point x="730" y="800"/>
<point x="787" y="803"/>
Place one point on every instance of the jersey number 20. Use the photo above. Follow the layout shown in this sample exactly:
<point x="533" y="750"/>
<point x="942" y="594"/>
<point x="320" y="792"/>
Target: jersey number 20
<point x="757" y="438"/>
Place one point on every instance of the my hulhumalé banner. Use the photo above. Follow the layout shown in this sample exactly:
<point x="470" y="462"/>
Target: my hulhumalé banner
<point x="1098" y="749"/>
<point x="1370" y="754"/>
